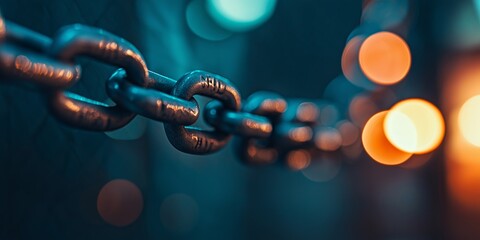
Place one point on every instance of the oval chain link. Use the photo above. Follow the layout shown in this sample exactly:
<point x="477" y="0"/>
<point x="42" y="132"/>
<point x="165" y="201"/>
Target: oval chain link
<point x="193" y="140"/>
<point x="23" y="60"/>
<point x="152" y="102"/>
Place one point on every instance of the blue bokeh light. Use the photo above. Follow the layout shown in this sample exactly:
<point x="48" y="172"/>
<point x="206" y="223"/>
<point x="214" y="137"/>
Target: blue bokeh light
<point x="241" y="15"/>
<point x="202" y="24"/>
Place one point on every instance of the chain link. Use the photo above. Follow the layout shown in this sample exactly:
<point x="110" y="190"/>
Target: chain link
<point x="23" y="60"/>
<point x="154" y="103"/>
<point x="269" y="126"/>
<point x="257" y="151"/>
<point x="194" y="140"/>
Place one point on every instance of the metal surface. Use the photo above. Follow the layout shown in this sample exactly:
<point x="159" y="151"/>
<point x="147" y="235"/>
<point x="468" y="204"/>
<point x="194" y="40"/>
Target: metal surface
<point x="262" y="152"/>
<point x="25" y="60"/>
<point x="152" y="103"/>
<point x="238" y="123"/>
<point x="79" y="40"/>
<point x="194" y="140"/>
<point x="87" y="114"/>
<point x="22" y="67"/>
<point x="27" y="38"/>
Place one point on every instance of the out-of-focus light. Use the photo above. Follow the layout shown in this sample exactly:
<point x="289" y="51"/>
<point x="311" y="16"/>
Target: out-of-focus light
<point x="261" y="156"/>
<point x="417" y="161"/>
<point x="120" y="202"/>
<point x="307" y="112"/>
<point x="349" y="132"/>
<point x="298" y="159"/>
<point x="415" y="126"/>
<point x="462" y="182"/>
<point x="401" y="131"/>
<point x="301" y="111"/>
<point x="179" y="213"/>
<point x="377" y="145"/>
<point x="328" y="139"/>
<point x="133" y="130"/>
<point x="361" y="108"/>
<point x="329" y="115"/>
<point x="322" y="170"/>
<point x="351" y="66"/>
<point x="240" y="15"/>
<point x="363" y="31"/>
<point x="300" y="134"/>
<point x="469" y="120"/>
<point x="460" y="32"/>
<point x="385" y="58"/>
<point x="341" y="91"/>
<point x="202" y="24"/>
<point x="477" y="7"/>
<point x="385" y="13"/>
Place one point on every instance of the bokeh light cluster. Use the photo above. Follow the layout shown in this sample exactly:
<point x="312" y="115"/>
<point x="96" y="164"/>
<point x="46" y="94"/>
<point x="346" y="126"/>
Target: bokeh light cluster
<point x="375" y="60"/>
<point x="326" y="138"/>
<point x="412" y="126"/>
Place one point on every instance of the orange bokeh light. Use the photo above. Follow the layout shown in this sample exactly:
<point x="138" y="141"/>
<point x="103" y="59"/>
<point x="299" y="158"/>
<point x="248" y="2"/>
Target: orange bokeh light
<point x="349" y="132"/>
<point x="120" y="202"/>
<point x="385" y="58"/>
<point x="377" y="145"/>
<point x="415" y="125"/>
<point x="298" y="159"/>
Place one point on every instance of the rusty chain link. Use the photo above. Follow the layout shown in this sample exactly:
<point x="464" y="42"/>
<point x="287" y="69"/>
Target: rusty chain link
<point x="269" y="127"/>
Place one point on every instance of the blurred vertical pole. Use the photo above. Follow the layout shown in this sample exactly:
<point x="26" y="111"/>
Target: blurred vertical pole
<point x="430" y="53"/>
<point x="461" y="73"/>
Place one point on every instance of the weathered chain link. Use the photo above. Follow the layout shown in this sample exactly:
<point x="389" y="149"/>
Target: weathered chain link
<point x="268" y="125"/>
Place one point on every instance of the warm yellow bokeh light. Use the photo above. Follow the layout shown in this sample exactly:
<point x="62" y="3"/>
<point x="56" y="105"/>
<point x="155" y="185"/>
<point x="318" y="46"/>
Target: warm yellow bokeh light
<point x="385" y="58"/>
<point x="415" y="126"/>
<point x="377" y="145"/>
<point x="401" y="131"/>
<point x="469" y="120"/>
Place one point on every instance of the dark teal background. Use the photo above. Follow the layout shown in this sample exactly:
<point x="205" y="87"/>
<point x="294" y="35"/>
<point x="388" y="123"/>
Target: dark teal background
<point x="50" y="174"/>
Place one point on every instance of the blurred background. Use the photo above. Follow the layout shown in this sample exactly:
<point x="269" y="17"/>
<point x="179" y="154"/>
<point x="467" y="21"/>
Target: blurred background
<point x="401" y="83"/>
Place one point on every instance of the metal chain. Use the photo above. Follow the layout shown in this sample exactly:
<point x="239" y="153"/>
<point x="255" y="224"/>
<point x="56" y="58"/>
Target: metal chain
<point x="269" y="127"/>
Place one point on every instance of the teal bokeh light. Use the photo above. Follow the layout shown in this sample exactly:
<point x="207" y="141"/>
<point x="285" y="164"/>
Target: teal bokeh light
<point x="240" y="15"/>
<point x="202" y="24"/>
